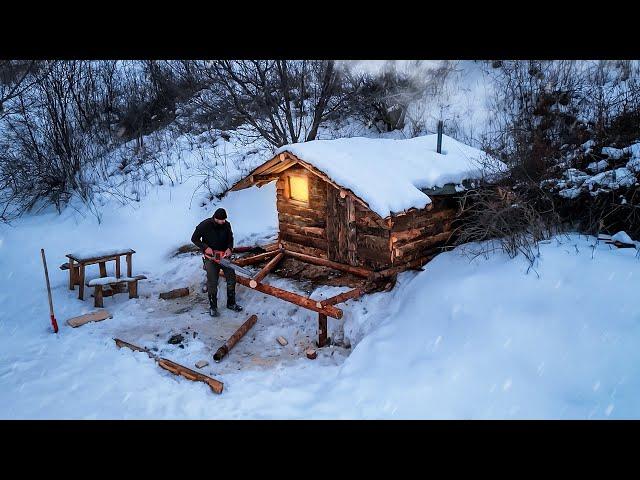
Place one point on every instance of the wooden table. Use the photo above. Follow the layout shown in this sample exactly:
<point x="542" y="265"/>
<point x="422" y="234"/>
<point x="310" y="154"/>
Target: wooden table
<point x="78" y="262"/>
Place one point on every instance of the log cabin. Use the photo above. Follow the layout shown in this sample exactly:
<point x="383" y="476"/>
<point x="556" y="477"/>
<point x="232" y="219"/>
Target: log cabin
<point x="375" y="203"/>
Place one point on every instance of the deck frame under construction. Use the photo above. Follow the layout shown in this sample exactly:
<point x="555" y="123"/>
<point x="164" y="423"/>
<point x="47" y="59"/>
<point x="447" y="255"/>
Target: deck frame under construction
<point x="325" y="308"/>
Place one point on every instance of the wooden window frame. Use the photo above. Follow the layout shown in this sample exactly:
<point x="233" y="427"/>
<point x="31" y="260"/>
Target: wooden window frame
<point x="287" y="192"/>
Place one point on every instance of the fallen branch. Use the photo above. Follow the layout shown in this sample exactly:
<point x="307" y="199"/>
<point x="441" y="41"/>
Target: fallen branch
<point x="175" y="368"/>
<point x="235" y="338"/>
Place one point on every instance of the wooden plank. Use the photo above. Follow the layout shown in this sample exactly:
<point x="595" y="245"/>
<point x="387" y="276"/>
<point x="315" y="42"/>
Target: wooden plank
<point x="89" y="317"/>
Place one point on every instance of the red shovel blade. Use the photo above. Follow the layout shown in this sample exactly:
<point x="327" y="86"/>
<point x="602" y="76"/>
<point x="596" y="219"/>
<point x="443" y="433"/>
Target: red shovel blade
<point x="54" y="324"/>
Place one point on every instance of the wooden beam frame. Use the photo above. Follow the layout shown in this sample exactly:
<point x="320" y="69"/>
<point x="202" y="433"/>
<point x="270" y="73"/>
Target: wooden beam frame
<point x="290" y="297"/>
<point x="255" y="258"/>
<point x="268" y="267"/>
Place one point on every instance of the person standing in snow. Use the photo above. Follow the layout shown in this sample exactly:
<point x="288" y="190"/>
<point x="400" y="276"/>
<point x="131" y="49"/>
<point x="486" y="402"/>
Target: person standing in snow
<point x="211" y="235"/>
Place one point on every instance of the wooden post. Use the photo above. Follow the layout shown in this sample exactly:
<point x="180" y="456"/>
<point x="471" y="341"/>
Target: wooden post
<point x="103" y="268"/>
<point x="129" y="266"/>
<point x="118" y="266"/>
<point x="133" y="289"/>
<point x="97" y="294"/>
<point x="235" y="338"/>
<point x="440" y="128"/>
<point x="72" y="280"/>
<point x="81" y="282"/>
<point x="322" y="330"/>
<point x="351" y="232"/>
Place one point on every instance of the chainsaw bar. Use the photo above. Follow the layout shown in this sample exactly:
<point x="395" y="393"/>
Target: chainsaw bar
<point x="226" y="263"/>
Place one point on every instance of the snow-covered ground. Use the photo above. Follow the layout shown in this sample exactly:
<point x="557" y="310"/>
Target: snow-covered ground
<point x="461" y="339"/>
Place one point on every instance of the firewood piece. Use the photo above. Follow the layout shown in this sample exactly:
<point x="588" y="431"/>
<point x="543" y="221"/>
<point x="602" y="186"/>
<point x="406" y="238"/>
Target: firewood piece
<point x="311" y="354"/>
<point x="287" y="296"/>
<point x="342" y="297"/>
<point x="361" y="272"/>
<point x="96" y="316"/>
<point x="255" y="258"/>
<point x="178" y="292"/>
<point x="268" y="267"/>
<point x="201" y="363"/>
<point x="235" y="338"/>
<point x="175" y="368"/>
<point x="282" y="341"/>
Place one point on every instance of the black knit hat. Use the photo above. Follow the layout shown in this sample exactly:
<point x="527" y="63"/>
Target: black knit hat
<point x="220" y="214"/>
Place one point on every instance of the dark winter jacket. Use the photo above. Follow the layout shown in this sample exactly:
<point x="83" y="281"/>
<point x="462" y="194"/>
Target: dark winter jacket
<point x="210" y="234"/>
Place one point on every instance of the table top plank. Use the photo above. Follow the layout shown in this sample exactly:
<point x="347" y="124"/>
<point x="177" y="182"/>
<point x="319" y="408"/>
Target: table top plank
<point x="100" y="255"/>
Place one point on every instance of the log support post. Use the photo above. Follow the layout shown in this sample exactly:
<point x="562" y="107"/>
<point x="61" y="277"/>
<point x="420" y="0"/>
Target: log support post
<point x="129" y="266"/>
<point x="322" y="330"/>
<point x="133" y="289"/>
<point x="103" y="268"/>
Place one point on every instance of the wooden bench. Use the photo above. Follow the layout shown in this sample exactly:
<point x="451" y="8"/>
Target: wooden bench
<point x="114" y="283"/>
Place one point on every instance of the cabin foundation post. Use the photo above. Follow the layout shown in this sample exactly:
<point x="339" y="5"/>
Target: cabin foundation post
<point x="322" y="330"/>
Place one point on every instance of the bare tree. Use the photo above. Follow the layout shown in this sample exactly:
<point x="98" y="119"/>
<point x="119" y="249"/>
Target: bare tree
<point x="282" y="101"/>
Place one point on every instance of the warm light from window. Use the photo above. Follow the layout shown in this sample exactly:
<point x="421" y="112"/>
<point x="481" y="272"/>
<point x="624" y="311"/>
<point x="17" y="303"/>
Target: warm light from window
<point x="299" y="189"/>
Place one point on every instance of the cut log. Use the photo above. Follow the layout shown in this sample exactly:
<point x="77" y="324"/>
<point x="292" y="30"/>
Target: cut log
<point x="255" y="258"/>
<point x="89" y="317"/>
<point x="361" y="272"/>
<point x="267" y="268"/>
<point x="235" y="338"/>
<point x="342" y="297"/>
<point x="290" y="297"/>
<point x="311" y="354"/>
<point x="282" y="341"/>
<point x="176" y="293"/>
<point x="201" y="363"/>
<point x="401" y="268"/>
<point x="422" y="243"/>
<point x="175" y="368"/>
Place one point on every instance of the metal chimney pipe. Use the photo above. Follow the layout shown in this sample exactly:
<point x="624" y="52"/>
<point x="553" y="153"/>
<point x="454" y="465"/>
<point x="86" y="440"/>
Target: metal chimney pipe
<point x="439" y="150"/>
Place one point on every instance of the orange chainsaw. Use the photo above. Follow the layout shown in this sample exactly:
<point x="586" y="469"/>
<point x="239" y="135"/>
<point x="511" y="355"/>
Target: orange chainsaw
<point x="218" y="257"/>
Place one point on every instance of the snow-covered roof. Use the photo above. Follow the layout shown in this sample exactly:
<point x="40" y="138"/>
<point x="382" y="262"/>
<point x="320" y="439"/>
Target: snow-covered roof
<point x="388" y="174"/>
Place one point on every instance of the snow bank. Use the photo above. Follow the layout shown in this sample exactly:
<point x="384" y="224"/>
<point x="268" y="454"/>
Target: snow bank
<point x="388" y="174"/>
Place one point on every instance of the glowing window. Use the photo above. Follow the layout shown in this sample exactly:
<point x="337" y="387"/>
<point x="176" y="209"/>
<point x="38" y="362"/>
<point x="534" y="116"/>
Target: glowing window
<point x="299" y="189"/>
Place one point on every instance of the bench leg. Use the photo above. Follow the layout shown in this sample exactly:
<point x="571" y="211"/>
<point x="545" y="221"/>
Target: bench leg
<point x="322" y="330"/>
<point x="118" y="267"/>
<point x="103" y="268"/>
<point x="129" y="265"/>
<point x="72" y="277"/>
<point x="133" y="289"/>
<point x="81" y="282"/>
<point x="98" y="297"/>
